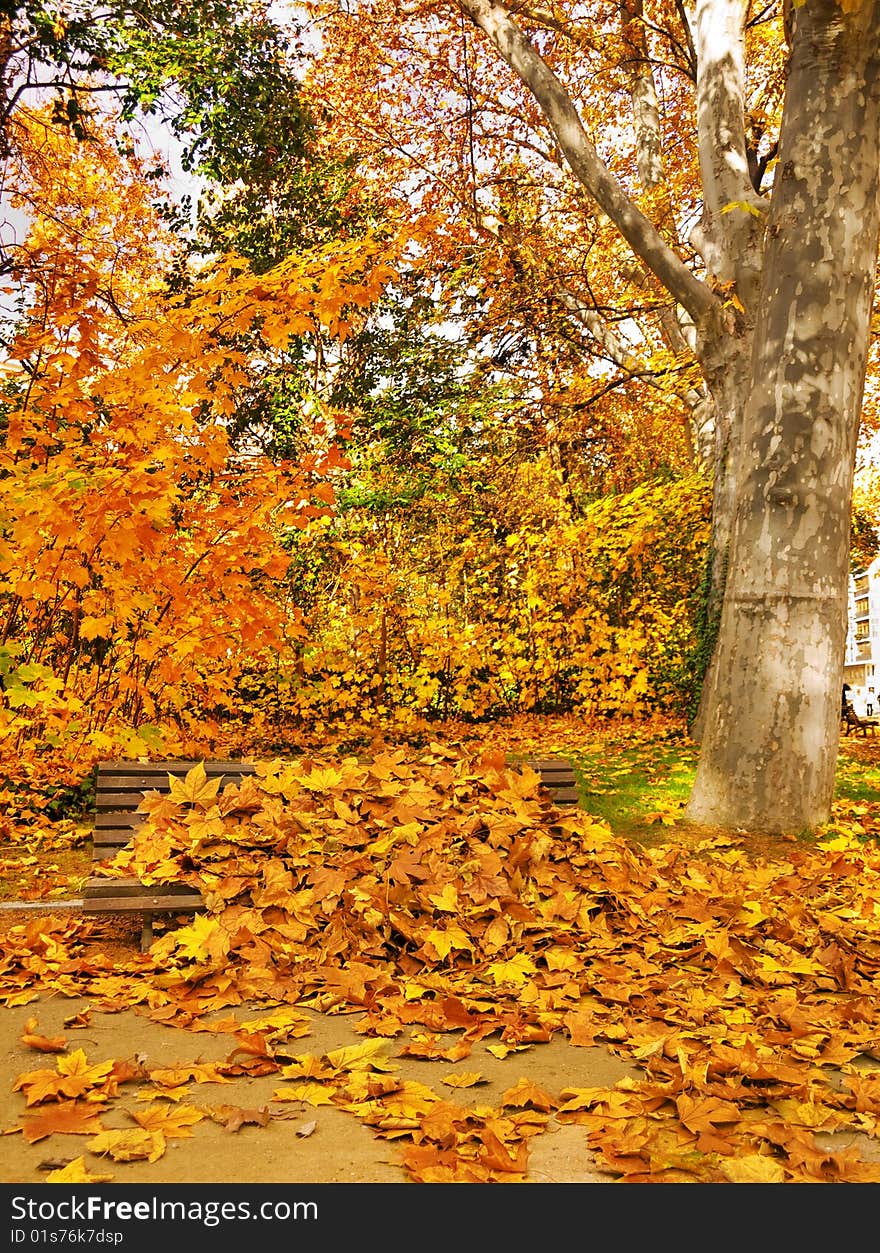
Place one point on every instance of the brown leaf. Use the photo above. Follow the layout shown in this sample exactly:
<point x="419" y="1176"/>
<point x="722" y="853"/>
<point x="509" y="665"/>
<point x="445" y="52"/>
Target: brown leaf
<point x="76" y="1021"/>
<point x="232" y="1117"/>
<point x="41" y="1043"/>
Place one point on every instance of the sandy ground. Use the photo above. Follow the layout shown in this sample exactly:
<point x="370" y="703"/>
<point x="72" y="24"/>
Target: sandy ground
<point x="337" y="1149"/>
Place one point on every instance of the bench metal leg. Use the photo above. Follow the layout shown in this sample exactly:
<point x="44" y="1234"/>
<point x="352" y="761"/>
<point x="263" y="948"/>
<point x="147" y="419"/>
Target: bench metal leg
<point x="147" y="932"/>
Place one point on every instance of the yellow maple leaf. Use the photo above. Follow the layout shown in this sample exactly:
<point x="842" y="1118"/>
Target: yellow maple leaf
<point x="502" y="1050"/>
<point x="753" y="1168"/>
<point x="321" y="780"/>
<point x="443" y="942"/>
<point x="204" y="940"/>
<point x="284" y="1022"/>
<point x="76" y="1172"/>
<point x="445" y="900"/>
<point x="464" y="1079"/>
<point x="129" y="1146"/>
<point x="311" y="1093"/>
<point x="516" y="970"/>
<point x="307" y="1066"/>
<point x="177" y="1076"/>
<point x="366" y="1056"/>
<point x="526" y="1093"/>
<point x="73" y="1077"/>
<point x="173" y="1121"/>
<point x="195" y="788"/>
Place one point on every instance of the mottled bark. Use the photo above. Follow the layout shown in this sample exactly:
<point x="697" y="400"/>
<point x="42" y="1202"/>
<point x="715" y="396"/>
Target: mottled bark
<point x="729" y="238"/>
<point x="648" y="130"/>
<point x="771" y="726"/>
<point x="643" y="94"/>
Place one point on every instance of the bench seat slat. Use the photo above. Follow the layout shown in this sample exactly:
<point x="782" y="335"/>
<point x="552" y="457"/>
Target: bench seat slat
<point x="124" y="886"/>
<point x="564" y="795"/>
<point x="177" y="768"/>
<point x="169" y="903"/>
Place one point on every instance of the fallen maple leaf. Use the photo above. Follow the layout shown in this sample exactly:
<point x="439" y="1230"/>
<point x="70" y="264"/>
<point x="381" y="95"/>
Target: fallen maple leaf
<point x="173" y="1121"/>
<point x="41" y="1043"/>
<point x="311" y="1093"/>
<point x="232" y="1117"/>
<point x="176" y="1076"/>
<point x="195" y="788"/>
<point x="517" y="970"/>
<point x="73" y="1077"/>
<point x="129" y="1146"/>
<point x="502" y="1050"/>
<point x="703" y="1113"/>
<point x="75" y="1021"/>
<point x="65" y="1118"/>
<point x="163" y="1094"/>
<point x="497" y="1156"/>
<point x="752" y="1168"/>
<point x="76" y="1172"/>
<point x="366" y="1056"/>
<point x="527" y="1093"/>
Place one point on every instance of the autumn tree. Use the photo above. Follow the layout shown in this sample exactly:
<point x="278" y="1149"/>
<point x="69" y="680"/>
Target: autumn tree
<point x="726" y="161"/>
<point x="140" y="559"/>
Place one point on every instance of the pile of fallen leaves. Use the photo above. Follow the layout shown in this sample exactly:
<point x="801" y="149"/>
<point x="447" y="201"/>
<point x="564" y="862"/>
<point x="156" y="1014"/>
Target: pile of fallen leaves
<point x="447" y="899"/>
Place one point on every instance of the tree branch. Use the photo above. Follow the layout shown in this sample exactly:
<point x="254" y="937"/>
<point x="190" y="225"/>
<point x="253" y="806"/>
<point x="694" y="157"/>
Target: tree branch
<point x="507" y="37"/>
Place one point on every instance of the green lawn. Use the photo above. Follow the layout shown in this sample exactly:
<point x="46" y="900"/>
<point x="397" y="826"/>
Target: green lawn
<point x="640" y="787"/>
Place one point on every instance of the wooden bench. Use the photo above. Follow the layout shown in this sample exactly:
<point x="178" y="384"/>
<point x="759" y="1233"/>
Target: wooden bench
<point x="852" y="722"/>
<point x="120" y="788"/>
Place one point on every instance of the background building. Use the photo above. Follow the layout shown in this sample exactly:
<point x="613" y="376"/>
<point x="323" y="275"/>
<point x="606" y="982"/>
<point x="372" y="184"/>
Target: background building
<point x="863" y="640"/>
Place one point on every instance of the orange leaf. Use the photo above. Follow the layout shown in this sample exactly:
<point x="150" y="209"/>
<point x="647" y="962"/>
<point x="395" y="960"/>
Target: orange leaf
<point x="41" y="1043"/>
<point x="76" y="1118"/>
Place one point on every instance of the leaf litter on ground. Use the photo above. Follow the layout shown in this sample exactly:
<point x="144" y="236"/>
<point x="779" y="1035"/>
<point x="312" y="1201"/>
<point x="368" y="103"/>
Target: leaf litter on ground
<point x="441" y="893"/>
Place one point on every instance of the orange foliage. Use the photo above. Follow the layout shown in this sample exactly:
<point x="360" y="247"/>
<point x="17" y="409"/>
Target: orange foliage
<point x="140" y="564"/>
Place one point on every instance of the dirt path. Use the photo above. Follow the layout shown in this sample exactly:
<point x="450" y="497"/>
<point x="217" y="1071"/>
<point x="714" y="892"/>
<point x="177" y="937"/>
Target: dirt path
<point x="299" y="1142"/>
<point x="336" y="1149"/>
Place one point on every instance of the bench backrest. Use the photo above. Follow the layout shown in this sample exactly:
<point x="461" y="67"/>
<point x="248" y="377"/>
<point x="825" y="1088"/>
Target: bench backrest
<point x="121" y="786"/>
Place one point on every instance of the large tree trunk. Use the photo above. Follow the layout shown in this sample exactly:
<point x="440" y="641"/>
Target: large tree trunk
<point x="770" y="735"/>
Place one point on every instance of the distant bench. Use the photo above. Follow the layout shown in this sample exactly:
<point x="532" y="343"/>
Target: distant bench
<point x="852" y="722"/>
<point x="120" y="788"/>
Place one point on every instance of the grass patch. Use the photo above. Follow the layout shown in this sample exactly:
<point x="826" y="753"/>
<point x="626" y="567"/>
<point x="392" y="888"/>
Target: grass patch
<point x="636" y="788"/>
<point x="640" y="788"/>
<point x="856" y="780"/>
